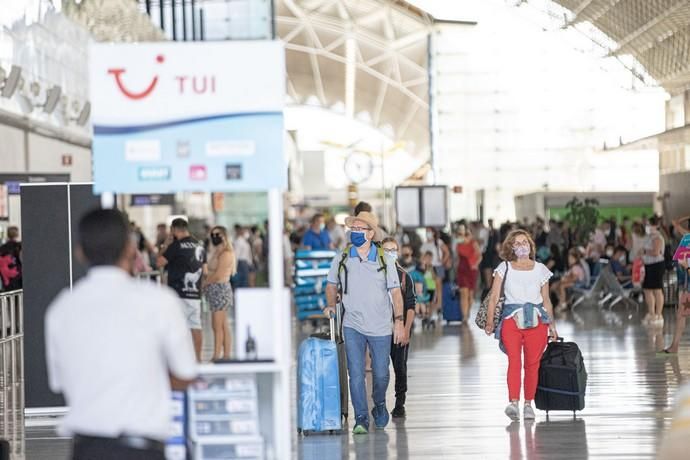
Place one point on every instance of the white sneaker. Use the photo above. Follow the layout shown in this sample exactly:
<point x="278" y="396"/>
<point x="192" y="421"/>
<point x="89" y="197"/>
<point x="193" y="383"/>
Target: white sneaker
<point x="528" y="412"/>
<point x="659" y="320"/>
<point x="513" y="411"/>
<point x="647" y="319"/>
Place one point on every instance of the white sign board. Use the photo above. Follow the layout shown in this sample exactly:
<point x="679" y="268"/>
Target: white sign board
<point x="197" y="116"/>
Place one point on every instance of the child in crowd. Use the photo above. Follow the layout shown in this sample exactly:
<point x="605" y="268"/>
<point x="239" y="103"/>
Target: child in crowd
<point x="425" y="286"/>
<point x="575" y="277"/>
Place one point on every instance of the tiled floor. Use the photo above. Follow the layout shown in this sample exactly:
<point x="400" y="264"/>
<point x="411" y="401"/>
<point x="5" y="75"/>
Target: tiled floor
<point x="457" y="395"/>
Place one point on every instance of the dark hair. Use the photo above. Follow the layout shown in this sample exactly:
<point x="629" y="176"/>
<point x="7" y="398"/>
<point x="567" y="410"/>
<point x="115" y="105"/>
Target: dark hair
<point x="390" y="239"/>
<point x="576" y="255"/>
<point x="654" y="220"/>
<point x="103" y="235"/>
<point x="620" y="248"/>
<point x="316" y="217"/>
<point x="180" y="224"/>
<point x="363" y="206"/>
<point x="12" y="232"/>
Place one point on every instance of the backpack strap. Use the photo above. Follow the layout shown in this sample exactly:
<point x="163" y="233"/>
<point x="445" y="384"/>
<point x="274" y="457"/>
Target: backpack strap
<point x="342" y="268"/>
<point x="381" y="255"/>
<point x="403" y="273"/>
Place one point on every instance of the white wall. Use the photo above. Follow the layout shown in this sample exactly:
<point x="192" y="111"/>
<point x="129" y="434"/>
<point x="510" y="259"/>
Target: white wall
<point x="45" y="156"/>
<point x="12" y="158"/>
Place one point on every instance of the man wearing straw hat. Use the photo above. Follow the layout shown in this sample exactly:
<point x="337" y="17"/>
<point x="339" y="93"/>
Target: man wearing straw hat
<point x="366" y="280"/>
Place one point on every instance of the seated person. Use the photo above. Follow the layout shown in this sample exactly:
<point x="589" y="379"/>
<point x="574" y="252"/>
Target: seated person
<point x="575" y="277"/>
<point x="620" y="267"/>
<point x="608" y="253"/>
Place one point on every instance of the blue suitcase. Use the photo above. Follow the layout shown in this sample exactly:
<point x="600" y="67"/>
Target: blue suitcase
<point x="319" y="404"/>
<point x="451" y="303"/>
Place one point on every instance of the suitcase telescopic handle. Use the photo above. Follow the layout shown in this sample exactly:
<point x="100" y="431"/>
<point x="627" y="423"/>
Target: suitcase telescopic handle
<point x="331" y="320"/>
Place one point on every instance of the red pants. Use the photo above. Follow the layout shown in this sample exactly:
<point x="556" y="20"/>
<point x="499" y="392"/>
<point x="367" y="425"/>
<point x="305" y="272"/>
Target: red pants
<point x="533" y="341"/>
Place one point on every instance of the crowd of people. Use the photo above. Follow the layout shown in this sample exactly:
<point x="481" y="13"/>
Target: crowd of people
<point x="542" y="265"/>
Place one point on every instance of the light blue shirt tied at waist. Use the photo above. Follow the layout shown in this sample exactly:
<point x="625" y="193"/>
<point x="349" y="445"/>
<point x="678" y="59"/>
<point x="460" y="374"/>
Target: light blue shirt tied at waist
<point x="526" y="316"/>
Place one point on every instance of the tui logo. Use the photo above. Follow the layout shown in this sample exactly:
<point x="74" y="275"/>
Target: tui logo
<point x="117" y="73"/>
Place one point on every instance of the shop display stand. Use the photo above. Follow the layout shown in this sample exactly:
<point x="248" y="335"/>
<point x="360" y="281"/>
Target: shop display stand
<point x="270" y="389"/>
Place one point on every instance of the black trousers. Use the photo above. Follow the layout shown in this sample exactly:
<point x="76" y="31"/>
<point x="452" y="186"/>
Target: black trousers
<point x="110" y="449"/>
<point x="399" y="358"/>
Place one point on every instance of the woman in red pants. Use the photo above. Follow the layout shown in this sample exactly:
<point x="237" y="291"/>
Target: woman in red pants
<point x="526" y="318"/>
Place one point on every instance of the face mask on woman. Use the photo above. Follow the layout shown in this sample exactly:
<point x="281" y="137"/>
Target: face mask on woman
<point x="217" y="240"/>
<point x="522" y="252"/>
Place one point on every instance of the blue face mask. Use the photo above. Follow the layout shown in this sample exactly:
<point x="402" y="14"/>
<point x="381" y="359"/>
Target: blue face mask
<point x="358" y="238"/>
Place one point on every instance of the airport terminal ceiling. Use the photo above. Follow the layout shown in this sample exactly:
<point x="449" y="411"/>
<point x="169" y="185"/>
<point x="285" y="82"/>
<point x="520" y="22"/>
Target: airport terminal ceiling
<point x="365" y="58"/>
<point x="655" y="32"/>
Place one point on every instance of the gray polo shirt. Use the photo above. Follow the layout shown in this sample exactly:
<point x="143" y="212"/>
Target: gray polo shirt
<point x="368" y="306"/>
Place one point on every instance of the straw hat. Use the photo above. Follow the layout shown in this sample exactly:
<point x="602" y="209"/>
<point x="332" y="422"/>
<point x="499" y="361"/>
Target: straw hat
<point x="364" y="216"/>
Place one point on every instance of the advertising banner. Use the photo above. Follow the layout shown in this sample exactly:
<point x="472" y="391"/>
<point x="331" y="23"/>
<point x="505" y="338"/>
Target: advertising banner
<point x="196" y="116"/>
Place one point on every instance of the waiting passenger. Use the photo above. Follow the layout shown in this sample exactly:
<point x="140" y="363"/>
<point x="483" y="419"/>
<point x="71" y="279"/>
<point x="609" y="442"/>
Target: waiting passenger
<point x="683" y="308"/>
<point x="654" y="269"/>
<point x="526" y="318"/>
<point x="114" y="348"/>
<point x="11" y="261"/>
<point x="425" y="276"/>
<point x="469" y="258"/>
<point x="245" y="259"/>
<point x="222" y="265"/>
<point x="317" y="238"/>
<point x="185" y="260"/>
<point x="574" y="277"/>
<point x="620" y="267"/>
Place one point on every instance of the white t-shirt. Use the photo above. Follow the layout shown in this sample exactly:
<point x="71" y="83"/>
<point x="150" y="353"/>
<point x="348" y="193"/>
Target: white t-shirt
<point x="524" y="286"/>
<point x="111" y="344"/>
<point x="243" y="250"/>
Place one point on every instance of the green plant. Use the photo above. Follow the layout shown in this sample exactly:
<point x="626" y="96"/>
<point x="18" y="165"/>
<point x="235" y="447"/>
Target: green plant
<point x="582" y="217"/>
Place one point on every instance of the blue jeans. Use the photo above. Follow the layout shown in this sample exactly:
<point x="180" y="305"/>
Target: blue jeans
<point x="355" y="347"/>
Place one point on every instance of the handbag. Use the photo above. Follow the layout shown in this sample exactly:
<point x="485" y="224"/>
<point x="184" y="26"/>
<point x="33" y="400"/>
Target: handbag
<point x="480" y="319"/>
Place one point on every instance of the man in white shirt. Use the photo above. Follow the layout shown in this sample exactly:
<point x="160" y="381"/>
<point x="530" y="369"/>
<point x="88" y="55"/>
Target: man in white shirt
<point x="245" y="260"/>
<point x="114" y="349"/>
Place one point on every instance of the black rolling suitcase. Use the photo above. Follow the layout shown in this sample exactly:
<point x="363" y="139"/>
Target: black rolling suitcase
<point x="562" y="378"/>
